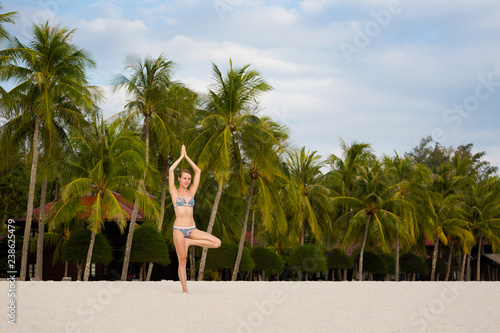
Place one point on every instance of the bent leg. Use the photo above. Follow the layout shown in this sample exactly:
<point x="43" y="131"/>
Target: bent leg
<point x="203" y="239"/>
<point x="181" y="249"/>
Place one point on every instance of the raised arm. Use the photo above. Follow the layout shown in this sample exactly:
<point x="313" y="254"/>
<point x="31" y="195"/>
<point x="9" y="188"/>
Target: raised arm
<point x="171" y="175"/>
<point x="197" y="175"/>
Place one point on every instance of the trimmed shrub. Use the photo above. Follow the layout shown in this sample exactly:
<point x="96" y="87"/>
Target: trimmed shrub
<point x="266" y="259"/>
<point x="441" y="265"/>
<point x="225" y="257"/>
<point x="411" y="263"/>
<point x="390" y="262"/>
<point x="308" y="258"/>
<point x="77" y="246"/>
<point x="373" y="263"/>
<point x="149" y="246"/>
<point x="338" y="259"/>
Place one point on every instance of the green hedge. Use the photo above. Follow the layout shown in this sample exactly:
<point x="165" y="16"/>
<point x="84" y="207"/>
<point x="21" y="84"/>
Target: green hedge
<point x="308" y="258"/>
<point x="225" y="257"/>
<point x="149" y="246"/>
<point x="77" y="246"/>
<point x="266" y="259"/>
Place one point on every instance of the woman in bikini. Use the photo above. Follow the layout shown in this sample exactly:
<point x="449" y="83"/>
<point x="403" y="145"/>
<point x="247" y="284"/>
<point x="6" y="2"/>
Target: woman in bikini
<point x="185" y="232"/>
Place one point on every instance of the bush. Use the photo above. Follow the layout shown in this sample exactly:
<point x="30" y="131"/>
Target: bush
<point x="411" y="263"/>
<point x="266" y="259"/>
<point x="338" y="259"/>
<point x="308" y="258"/>
<point x="225" y="257"/>
<point x="390" y="262"/>
<point x="149" y="246"/>
<point x="441" y="265"/>
<point x="373" y="263"/>
<point x="77" y="246"/>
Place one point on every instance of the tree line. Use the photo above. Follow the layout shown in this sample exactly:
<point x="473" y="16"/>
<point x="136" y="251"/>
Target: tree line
<point x="56" y="146"/>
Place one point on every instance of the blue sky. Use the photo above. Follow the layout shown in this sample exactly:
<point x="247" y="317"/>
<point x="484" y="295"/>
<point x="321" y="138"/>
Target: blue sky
<point x="383" y="72"/>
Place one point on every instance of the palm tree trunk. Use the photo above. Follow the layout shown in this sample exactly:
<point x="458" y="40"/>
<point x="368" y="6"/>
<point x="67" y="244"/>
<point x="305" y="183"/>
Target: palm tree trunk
<point x="65" y="268"/>
<point x="251" y="241"/>
<point x="365" y="236"/>
<point x="468" y="269"/>
<point x="302" y="239"/>
<point x="56" y="192"/>
<point x="142" y="189"/>
<point x="479" y="250"/>
<point x="130" y="237"/>
<point x="192" y="263"/>
<point x="396" y="278"/>
<point x="434" y="259"/>
<point x="162" y="211"/>
<point x="462" y="266"/>
<point x="243" y="232"/>
<point x="78" y="271"/>
<point x="31" y="199"/>
<point x="449" y="262"/>
<point x="89" y="257"/>
<point x="41" y="233"/>
<point x="203" y="260"/>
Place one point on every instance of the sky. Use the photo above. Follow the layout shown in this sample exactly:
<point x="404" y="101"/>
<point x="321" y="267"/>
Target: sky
<point x="384" y="72"/>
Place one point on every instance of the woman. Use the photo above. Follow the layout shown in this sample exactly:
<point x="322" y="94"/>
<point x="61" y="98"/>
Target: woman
<point x="185" y="232"/>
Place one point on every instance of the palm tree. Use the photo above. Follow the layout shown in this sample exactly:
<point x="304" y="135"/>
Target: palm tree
<point x="229" y="109"/>
<point x="370" y="199"/>
<point x="148" y="85"/>
<point x="5" y="18"/>
<point x="108" y="160"/>
<point x="169" y="129"/>
<point x="48" y="70"/>
<point x="314" y="198"/>
<point x="446" y="214"/>
<point x="260" y="144"/>
<point x="483" y="212"/>
<point x="406" y="181"/>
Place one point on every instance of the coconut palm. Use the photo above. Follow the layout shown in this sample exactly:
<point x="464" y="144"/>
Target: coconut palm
<point x="370" y="199"/>
<point x="148" y="84"/>
<point x="171" y="126"/>
<point x="108" y="160"/>
<point x="48" y="70"/>
<point x="483" y="213"/>
<point x="5" y="18"/>
<point x="228" y="110"/>
<point x="314" y="203"/>
<point x="260" y="143"/>
<point x="406" y="181"/>
<point x="446" y="213"/>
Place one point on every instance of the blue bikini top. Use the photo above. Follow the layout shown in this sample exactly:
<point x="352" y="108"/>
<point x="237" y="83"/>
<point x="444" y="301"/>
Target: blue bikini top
<point x="182" y="202"/>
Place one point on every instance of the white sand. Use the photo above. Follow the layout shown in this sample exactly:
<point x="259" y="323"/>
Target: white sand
<point x="253" y="307"/>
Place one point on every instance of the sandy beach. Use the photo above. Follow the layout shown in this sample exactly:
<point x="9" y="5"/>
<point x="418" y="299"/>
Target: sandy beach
<point x="106" y="306"/>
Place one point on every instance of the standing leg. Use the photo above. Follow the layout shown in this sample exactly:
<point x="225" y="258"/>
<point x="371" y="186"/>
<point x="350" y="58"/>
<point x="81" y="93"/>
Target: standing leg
<point x="180" y="248"/>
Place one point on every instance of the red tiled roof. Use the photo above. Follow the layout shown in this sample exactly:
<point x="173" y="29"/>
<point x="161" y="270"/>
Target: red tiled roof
<point x="126" y="206"/>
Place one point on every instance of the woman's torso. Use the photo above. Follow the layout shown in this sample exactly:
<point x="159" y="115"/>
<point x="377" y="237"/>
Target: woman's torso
<point x="183" y="208"/>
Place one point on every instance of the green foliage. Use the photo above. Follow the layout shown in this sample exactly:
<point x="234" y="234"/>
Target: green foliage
<point x="14" y="183"/>
<point x="373" y="263"/>
<point x="266" y="259"/>
<point x="77" y="246"/>
<point x="149" y="246"/>
<point x="308" y="258"/>
<point x="225" y="257"/>
<point x="390" y="262"/>
<point x="441" y="265"/>
<point x="338" y="259"/>
<point x="411" y="263"/>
